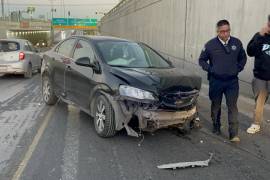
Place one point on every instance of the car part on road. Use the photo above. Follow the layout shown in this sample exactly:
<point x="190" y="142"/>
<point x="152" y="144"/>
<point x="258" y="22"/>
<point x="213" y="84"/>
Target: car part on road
<point x="187" y="164"/>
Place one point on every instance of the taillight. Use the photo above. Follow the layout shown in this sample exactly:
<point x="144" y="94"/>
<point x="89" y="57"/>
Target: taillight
<point x="21" y="56"/>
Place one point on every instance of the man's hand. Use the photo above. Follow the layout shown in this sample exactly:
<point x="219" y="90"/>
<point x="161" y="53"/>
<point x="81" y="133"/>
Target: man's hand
<point x="265" y="30"/>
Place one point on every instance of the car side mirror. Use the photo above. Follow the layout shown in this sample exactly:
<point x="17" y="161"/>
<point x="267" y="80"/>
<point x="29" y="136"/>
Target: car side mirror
<point x="84" y="61"/>
<point x="36" y="50"/>
<point x="87" y="62"/>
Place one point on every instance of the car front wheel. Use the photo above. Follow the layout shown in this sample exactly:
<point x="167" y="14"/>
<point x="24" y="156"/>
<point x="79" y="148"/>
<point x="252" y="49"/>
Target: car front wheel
<point x="104" y="117"/>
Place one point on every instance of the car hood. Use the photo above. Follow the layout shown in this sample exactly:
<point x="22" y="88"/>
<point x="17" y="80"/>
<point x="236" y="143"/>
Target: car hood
<point x="158" y="80"/>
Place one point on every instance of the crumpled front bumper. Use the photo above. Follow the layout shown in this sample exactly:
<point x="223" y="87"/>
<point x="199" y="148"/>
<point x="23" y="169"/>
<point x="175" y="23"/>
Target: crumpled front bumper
<point x="153" y="120"/>
<point x="148" y="118"/>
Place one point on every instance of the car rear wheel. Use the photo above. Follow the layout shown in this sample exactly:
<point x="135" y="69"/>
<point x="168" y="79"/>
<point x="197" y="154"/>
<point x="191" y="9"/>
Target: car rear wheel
<point x="47" y="91"/>
<point x="29" y="72"/>
<point x="104" y="117"/>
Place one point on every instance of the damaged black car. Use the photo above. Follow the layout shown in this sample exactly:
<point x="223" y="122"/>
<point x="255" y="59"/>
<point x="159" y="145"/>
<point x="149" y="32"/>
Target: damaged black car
<point x="121" y="84"/>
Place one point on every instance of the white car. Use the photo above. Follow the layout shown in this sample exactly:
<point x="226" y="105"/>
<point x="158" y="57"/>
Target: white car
<point x="18" y="56"/>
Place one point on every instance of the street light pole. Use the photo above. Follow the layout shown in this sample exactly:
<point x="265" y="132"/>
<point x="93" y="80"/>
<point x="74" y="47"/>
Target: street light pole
<point x="68" y="17"/>
<point x="2" y="5"/>
<point x="52" y="30"/>
<point x="64" y="7"/>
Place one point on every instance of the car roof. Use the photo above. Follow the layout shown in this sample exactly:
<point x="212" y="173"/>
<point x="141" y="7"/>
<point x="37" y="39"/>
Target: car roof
<point x="15" y="40"/>
<point x="102" y="38"/>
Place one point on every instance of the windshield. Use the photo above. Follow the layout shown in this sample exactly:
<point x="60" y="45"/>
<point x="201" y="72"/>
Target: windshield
<point x="8" y="46"/>
<point x="130" y="54"/>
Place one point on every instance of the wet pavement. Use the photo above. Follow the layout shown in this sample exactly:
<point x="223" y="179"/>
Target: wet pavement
<point x="38" y="142"/>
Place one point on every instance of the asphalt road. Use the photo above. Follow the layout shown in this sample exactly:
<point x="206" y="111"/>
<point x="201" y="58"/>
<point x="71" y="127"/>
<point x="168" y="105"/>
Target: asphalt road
<point x="38" y="142"/>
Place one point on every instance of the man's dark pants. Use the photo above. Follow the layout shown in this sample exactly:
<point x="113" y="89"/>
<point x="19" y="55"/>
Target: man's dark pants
<point x="230" y="88"/>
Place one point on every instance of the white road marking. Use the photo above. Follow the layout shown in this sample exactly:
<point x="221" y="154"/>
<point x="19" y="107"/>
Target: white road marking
<point x="71" y="149"/>
<point x="33" y="145"/>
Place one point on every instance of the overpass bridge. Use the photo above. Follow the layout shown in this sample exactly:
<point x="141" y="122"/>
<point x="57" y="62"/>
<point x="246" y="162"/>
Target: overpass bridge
<point x="31" y="30"/>
<point x="6" y="26"/>
<point x="36" y="31"/>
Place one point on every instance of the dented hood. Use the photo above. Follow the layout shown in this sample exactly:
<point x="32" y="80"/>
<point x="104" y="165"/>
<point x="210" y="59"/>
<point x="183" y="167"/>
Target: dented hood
<point x="158" y="80"/>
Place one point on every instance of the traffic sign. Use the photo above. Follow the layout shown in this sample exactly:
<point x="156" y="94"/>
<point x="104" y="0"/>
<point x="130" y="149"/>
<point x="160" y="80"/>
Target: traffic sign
<point x="74" y="23"/>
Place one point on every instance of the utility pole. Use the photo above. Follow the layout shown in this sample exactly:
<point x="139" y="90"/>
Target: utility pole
<point x="9" y="17"/>
<point x="52" y="30"/>
<point x="64" y="7"/>
<point x="3" y="10"/>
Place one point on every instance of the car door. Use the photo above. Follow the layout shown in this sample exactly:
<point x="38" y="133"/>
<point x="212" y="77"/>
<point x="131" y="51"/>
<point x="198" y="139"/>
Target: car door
<point x="28" y="54"/>
<point x="61" y="56"/>
<point x="36" y="60"/>
<point x="79" y="78"/>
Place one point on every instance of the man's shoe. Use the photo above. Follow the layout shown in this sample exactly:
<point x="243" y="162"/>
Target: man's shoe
<point x="254" y="128"/>
<point x="235" y="139"/>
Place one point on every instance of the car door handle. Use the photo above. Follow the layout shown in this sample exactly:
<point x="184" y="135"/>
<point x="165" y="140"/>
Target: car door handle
<point x="66" y="60"/>
<point x="68" y="68"/>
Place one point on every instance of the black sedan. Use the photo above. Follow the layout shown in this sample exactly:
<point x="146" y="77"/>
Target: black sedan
<point x="120" y="83"/>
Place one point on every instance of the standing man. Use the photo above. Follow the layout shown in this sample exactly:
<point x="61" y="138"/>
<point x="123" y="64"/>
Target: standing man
<point x="259" y="47"/>
<point x="223" y="58"/>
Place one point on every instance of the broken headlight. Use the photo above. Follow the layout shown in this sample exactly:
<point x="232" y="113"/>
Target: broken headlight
<point x="136" y="93"/>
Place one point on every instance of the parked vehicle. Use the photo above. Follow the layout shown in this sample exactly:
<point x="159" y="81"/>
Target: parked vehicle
<point x="18" y="56"/>
<point x="119" y="83"/>
<point x="41" y="44"/>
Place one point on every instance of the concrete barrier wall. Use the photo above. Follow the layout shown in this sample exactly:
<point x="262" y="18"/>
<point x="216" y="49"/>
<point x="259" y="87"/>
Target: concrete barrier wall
<point x="180" y="28"/>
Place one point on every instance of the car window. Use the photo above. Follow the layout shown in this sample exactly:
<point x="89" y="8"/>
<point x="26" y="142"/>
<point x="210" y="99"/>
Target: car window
<point x="66" y="47"/>
<point x="83" y="49"/>
<point x="130" y="54"/>
<point x="30" y="46"/>
<point x="27" y="47"/>
<point x="8" y="46"/>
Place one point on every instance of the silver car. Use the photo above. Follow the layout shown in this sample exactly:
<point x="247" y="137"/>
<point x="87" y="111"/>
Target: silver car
<point x="18" y="56"/>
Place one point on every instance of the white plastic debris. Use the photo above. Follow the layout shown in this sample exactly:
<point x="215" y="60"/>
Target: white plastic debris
<point x="187" y="164"/>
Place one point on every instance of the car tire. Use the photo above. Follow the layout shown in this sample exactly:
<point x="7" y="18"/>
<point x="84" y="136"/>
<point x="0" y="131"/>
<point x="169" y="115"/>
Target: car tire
<point x="104" y="117"/>
<point x="48" y="94"/>
<point x="39" y="69"/>
<point x="29" y="72"/>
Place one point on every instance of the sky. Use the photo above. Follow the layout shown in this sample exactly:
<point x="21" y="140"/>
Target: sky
<point x="77" y="8"/>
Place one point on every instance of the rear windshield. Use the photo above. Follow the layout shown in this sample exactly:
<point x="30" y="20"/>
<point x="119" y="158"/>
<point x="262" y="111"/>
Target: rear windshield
<point x="8" y="46"/>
